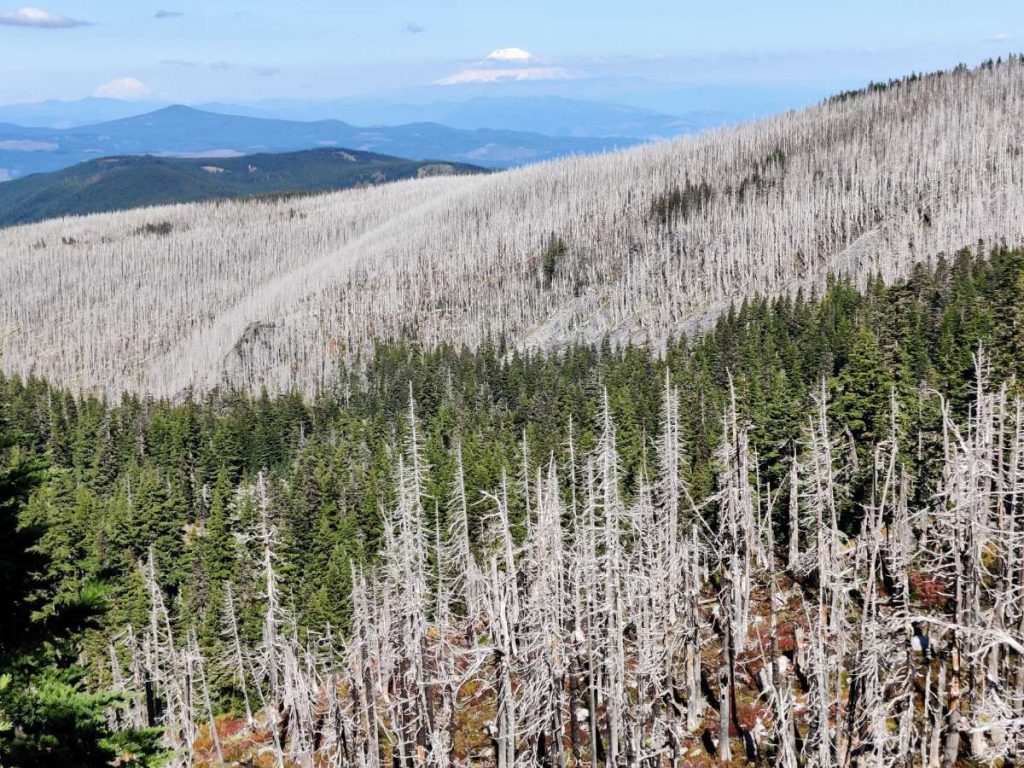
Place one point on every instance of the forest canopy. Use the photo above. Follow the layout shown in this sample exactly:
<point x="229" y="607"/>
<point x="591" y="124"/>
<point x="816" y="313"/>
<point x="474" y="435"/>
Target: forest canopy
<point x="259" y="541"/>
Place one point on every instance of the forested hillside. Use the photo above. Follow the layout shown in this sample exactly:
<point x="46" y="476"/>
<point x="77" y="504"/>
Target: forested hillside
<point x="121" y="183"/>
<point x="795" y="540"/>
<point x="636" y="246"/>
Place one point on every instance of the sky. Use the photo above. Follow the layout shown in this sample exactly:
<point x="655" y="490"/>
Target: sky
<point x="194" y="51"/>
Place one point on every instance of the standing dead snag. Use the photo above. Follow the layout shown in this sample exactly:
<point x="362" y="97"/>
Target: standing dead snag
<point x="236" y="659"/>
<point x="736" y="533"/>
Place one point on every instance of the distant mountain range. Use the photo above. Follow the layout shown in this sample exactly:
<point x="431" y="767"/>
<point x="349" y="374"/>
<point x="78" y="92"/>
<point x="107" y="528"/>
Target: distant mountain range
<point x="55" y="113"/>
<point x="117" y="183"/>
<point x="630" y="107"/>
<point x="546" y="114"/>
<point x="184" y="131"/>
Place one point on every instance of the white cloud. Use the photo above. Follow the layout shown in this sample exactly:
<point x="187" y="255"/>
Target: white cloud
<point x="497" y="75"/>
<point x="34" y="17"/>
<point x="123" y="89"/>
<point x="509" y="54"/>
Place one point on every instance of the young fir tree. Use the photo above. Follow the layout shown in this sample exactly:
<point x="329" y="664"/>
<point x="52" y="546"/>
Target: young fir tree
<point x="863" y="390"/>
<point x="48" y="717"/>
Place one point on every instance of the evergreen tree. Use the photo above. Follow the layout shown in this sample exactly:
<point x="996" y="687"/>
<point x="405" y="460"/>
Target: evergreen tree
<point x="48" y="716"/>
<point x="862" y="391"/>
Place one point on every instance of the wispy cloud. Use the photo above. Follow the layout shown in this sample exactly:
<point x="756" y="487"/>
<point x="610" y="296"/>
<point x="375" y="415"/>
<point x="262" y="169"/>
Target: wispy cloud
<point x="221" y="66"/>
<point x="413" y="28"/>
<point x="27" y="145"/>
<point x="34" y="17"/>
<point x="497" y="75"/>
<point x="162" y="14"/>
<point x="123" y="89"/>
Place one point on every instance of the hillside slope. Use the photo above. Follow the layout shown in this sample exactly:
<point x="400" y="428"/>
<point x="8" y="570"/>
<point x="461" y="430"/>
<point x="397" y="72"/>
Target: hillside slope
<point x="638" y="246"/>
<point x="120" y="183"/>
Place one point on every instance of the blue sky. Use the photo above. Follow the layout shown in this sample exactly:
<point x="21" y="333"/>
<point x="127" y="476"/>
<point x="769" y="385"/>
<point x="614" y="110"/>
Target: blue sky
<point x="192" y="51"/>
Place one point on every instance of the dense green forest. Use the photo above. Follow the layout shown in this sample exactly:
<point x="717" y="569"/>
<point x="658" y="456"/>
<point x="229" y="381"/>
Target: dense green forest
<point x="125" y="182"/>
<point x="88" y="488"/>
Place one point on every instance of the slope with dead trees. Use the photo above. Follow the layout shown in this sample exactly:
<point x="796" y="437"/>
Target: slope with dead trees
<point x="637" y="246"/>
<point x="653" y="630"/>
